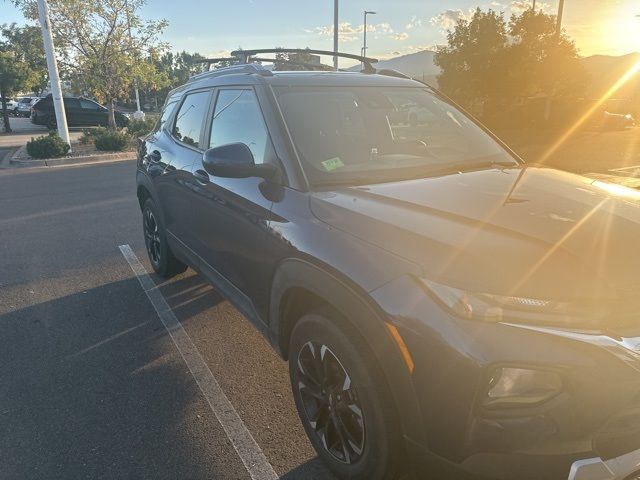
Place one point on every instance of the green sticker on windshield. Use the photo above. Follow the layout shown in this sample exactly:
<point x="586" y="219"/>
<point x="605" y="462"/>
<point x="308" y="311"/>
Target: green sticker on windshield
<point x="333" y="163"/>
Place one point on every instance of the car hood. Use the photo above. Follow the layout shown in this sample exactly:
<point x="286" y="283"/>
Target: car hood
<point x="525" y="231"/>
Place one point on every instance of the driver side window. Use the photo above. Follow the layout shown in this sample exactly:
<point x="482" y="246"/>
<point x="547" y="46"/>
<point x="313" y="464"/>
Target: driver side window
<point x="238" y="119"/>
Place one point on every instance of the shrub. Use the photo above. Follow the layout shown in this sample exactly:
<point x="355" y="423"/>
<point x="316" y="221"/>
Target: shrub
<point x="88" y="136"/>
<point x="111" y="140"/>
<point x="51" y="146"/>
<point x="139" y="128"/>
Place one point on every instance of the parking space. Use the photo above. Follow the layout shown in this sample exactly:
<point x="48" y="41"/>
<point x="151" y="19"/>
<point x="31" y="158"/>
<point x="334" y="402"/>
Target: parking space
<point x="93" y="385"/>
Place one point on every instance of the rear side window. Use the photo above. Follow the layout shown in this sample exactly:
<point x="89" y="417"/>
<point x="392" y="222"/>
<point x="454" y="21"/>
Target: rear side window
<point x="166" y="113"/>
<point x="190" y="118"/>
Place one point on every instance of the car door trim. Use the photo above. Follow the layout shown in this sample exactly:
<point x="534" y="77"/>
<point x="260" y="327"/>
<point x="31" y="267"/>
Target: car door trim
<point x="226" y="288"/>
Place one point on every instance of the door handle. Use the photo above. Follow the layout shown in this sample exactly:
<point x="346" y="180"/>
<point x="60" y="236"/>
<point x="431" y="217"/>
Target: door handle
<point x="201" y="176"/>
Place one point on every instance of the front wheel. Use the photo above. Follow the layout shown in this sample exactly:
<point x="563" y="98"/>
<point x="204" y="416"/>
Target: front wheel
<point x="343" y="400"/>
<point x="162" y="260"/>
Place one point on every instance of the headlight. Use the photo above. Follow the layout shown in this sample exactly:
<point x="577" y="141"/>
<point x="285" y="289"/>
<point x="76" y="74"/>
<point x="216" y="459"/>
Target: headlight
<point x="521" y="387"/>
<point x="497" y="308"/>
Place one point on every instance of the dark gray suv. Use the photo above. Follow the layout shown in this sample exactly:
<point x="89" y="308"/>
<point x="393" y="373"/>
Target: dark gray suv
<point x="445" y="309"/>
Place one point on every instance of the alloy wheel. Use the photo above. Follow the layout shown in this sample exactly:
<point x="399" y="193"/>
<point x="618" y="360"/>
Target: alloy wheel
<point x="152" y="236"/>
<point x="331" y="402"/>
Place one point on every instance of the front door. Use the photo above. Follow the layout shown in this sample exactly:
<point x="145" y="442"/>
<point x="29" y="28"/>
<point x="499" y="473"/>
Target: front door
<point x="231" y="214"/>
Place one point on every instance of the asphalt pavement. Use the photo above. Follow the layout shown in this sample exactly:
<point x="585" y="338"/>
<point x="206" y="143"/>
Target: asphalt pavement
<point x="92" y="384"/>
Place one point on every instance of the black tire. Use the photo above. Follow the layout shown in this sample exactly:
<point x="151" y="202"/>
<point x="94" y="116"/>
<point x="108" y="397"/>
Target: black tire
<point x="374" y="450"/>
<point x="162" y="260"/>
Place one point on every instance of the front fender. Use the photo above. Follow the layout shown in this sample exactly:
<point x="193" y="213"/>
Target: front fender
<point x="358" y="307"/>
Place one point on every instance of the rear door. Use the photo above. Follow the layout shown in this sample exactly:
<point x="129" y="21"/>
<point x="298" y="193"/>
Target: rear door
<point x="231" y="214"/>
<point x="176" y="150"/>
<point x="73" y="112"/>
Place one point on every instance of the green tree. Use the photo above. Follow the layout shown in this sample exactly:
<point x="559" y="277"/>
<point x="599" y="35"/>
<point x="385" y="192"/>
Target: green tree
<point x="177" y="68"/>
<point x="541" y="61"/>
<point x="26" y="44"/>
<point x="105" y="45"/>
<point x="489" y="61"/>
<point x="14" y="76"/>
<point x="474" y="61"/>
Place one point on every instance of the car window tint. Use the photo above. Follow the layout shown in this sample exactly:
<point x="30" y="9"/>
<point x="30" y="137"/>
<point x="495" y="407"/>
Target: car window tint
<point x="71" y="103"/>
<point x="190" y="117"/>
<point x="89" y="105"/>
<point x="166" y="113"/>
<point x="238" y="118"/>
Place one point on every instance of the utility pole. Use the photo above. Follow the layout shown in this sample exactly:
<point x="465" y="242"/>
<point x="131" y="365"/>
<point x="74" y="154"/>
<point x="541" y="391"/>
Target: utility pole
<point x="52" y="66"/>
<point x="560" y="12"/>
<point x="335" y="33"/>
<point x="139" y="114"/>
<point x="534" y="5"/>
<point x="364" y="49"/>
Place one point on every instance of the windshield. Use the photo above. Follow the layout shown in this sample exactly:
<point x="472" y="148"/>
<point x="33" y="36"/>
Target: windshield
<point x="355" y="135"/>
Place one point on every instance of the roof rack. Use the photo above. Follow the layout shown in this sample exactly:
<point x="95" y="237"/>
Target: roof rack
<point x="245" y="56"/>
<point x="239" y="68"/>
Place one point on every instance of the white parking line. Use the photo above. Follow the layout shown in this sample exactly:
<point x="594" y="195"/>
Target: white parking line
<point x="245" y="445"/>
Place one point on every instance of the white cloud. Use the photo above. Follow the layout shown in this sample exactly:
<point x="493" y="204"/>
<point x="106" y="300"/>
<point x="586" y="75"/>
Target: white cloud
<point x="448" y="19"/>
<point x="351" y="33"/>
<point x="519" y="6"/>
<point x="413" y="23"/>
<point x="401" y="36"/>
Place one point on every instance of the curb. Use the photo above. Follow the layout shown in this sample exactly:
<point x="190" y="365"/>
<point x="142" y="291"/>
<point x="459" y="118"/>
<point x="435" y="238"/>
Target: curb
<point x="49" y="162"/>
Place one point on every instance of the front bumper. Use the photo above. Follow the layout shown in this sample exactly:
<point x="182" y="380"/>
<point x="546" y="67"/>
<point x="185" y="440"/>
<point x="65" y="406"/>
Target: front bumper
<point x="620" y="468"/>
<point x="596" y="417"/>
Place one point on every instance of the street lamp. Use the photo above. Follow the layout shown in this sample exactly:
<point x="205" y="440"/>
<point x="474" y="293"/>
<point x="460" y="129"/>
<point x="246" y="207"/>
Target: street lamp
<point x="139" y="114"/>
<point x="335" y="33"/>
<point x="560" y="12"/>
<point x="364" y="48"/>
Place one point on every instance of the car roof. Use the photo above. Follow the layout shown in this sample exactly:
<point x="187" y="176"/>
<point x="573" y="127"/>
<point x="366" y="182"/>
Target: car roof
<point x="261" y="76"/>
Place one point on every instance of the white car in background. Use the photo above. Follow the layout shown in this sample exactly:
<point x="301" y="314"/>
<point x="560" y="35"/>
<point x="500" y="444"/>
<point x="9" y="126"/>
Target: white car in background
<point x="24" y="106"/>
<point x="12" y="106"/>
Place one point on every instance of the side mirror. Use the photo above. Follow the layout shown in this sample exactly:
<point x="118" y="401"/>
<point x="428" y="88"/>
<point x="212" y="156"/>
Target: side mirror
<point x="235" y="160"/>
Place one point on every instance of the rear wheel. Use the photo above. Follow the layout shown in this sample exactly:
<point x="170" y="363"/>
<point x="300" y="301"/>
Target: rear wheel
<point x="162" y="260"/>
<point x="342" y="399"/>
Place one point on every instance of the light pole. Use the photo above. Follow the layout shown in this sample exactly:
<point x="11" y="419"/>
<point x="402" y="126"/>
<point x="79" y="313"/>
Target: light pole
<point x="52" y="67"/>
<point x="364" y="48"/>
<point x="139" y="114"/>
<point x="534" y="5"/>
<point x="560" y="12"/>
<point x="335" y="33"/>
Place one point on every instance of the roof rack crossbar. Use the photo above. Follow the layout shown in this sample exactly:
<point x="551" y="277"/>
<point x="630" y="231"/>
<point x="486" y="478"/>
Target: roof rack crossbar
<point x="238" y="68"/>
<point x="211" y="61"/>
<point x="245" y="55"/>
<point x="275" y="61"/>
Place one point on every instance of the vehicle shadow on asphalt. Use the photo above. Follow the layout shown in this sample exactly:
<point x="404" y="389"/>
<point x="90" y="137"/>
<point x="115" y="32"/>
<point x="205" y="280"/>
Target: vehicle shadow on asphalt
<point x="312" y="470"/>
<point x="189" y="295"/>
<point x="92" y="387"/>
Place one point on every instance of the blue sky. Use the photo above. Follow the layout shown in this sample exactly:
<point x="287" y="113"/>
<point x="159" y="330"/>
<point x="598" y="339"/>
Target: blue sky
<point x="401" y="26"/>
